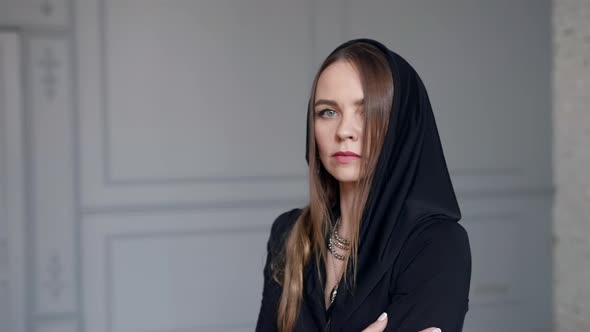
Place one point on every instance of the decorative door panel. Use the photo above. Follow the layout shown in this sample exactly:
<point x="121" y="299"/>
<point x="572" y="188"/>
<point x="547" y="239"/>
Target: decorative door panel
<point x="179" y="101"/>
<point x="175" y="271"/>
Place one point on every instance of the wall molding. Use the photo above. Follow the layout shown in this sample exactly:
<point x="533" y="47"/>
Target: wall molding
<point x="110" y="240"/>
<point x="110" y="180"/>
<point x="14" y="186"/>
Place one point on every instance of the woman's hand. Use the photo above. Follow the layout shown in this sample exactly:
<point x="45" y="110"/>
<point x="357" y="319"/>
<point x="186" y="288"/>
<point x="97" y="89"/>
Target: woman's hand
<point x="381" y="322"/>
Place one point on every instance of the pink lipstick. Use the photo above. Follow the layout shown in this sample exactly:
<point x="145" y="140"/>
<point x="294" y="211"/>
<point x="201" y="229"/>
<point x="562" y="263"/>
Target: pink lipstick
<point x="345" y="156"/>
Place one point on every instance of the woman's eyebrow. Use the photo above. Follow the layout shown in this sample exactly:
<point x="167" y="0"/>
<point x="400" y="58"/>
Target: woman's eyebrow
<point x="359" y="102"/>
<point x="325" y="102"/>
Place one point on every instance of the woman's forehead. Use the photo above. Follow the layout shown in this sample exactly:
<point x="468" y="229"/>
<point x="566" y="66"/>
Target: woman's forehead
<point x="341" y="82"/>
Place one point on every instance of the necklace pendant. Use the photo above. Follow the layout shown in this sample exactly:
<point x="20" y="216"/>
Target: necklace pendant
<point x="333" y="294"/>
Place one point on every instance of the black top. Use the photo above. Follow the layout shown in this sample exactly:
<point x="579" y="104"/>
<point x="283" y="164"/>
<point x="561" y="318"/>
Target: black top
<point x="414" y="259"/>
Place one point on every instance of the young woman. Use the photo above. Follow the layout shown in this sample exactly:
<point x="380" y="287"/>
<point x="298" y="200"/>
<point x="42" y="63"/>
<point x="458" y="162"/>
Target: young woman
<point x="380" y="236"/>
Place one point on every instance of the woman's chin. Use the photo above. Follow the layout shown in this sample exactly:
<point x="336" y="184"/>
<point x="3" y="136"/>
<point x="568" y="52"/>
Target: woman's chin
<point x="346" y="176"/>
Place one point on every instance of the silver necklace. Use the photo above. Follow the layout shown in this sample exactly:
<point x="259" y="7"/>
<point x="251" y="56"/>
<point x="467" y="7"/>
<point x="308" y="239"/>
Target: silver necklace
<point x="335" y="289"/>
<point x="336" y="240"/>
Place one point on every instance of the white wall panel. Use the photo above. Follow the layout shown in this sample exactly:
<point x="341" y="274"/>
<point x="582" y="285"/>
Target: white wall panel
<point x="511" y="267"/>
<point x="45" y="14"/>
<point x="169" y="271"/>
<point x="182" y="114"/>
<point x="59" y="325"/>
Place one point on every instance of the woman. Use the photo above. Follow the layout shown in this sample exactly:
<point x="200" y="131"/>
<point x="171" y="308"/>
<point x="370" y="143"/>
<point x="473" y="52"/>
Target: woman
<point x="380" y="236"/>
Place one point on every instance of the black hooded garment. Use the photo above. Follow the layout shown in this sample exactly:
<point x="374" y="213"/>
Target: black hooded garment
<point x="414" y="257"/>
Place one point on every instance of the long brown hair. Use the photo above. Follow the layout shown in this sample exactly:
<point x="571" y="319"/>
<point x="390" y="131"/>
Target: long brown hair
<point x="309" y="231"/>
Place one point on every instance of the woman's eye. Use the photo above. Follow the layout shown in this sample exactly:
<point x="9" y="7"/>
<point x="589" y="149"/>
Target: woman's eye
<point x="327" y="113"/>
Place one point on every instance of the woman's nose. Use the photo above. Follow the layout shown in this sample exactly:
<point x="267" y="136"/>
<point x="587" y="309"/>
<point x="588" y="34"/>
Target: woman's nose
<point x="348" y="128"/>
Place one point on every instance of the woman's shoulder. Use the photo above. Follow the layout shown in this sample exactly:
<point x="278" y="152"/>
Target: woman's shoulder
<point x="282" y="225"/>
<point x="441" y="230"/>
<point x="439" y="240"/>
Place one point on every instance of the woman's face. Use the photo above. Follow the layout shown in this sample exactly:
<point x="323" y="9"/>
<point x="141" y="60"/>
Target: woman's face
<point x="339" y="120"/>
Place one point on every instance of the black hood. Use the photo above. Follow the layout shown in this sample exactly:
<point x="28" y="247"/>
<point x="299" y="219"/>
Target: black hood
<point x="411" y="185"/>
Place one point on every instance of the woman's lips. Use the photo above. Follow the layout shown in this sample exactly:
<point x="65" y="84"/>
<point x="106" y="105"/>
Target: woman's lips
<point x="345" y="159"/>
<point x="345" y="156"/>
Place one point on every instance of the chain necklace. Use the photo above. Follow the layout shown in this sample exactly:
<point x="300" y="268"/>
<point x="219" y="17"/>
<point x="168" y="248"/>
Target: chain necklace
<point x="337" y="241"/>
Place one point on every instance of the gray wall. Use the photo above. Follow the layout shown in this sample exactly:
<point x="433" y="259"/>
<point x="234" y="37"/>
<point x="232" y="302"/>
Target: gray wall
<point x="571" y="89"/>
<point x="147" y="147"/>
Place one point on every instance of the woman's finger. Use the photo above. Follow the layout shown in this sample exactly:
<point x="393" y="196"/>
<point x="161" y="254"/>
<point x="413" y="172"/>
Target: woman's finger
<point x="432" y="329"/>
<point x="379" y="325"/>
